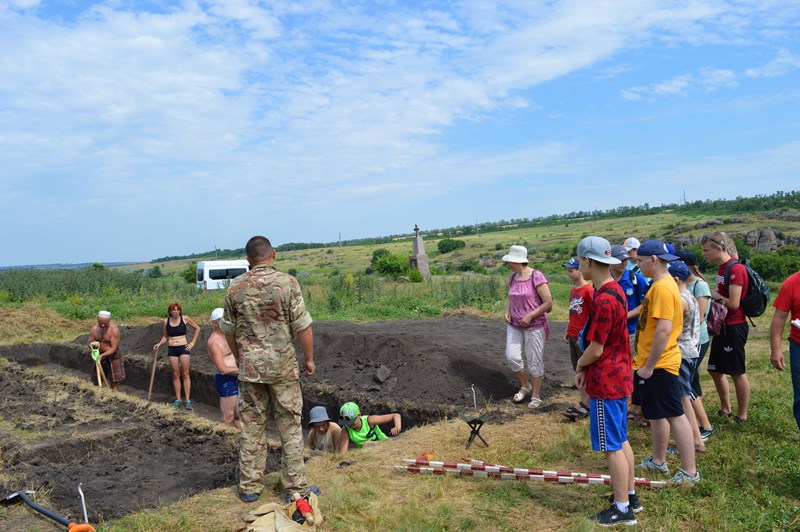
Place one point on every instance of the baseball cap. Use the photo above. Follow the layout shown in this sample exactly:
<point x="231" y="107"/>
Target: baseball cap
<point x="348" y="414"/>
<point x="657" y="248"/>
<point x="631" y="243"/>
<point x="678" y="269"/>
<point x="670" y="247"/>
<point x="572" y="263"/>
<point x="217" y="314"/>
<point x="596" y="248"/>
<point x="688" y="257"/>
<point x="619" y="252"/>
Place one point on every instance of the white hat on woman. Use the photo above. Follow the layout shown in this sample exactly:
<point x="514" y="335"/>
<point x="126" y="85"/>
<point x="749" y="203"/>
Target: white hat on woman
<point x="518" y="254"/>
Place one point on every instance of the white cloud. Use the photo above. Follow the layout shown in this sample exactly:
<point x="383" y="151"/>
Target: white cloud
<point x="783" y="63"/>
<point x="706" y="79"/>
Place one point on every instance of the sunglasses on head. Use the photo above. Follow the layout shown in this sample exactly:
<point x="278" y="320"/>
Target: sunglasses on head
<point x="706" y="238"/>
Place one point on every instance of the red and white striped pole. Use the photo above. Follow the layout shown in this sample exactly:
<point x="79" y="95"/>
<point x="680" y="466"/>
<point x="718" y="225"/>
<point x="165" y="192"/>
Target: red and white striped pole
<point x="515" y="473"/>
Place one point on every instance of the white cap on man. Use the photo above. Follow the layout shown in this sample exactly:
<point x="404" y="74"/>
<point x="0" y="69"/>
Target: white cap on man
<point x="104" y="314"/>
<point x="631" y="243"/>
<point x="217" y="313"/>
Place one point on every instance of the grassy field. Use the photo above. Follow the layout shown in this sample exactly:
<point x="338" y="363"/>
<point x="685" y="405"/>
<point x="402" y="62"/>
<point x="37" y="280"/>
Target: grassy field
<point x="751" y="472"/>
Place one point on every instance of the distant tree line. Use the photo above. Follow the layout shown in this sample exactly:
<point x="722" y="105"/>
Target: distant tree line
<point x="739" y="205"/>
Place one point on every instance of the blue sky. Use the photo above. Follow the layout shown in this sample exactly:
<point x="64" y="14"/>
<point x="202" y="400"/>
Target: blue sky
<point x="134" y="130"/>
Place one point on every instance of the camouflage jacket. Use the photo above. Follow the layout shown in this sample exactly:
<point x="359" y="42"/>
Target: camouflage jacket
<point x="264" y="310"/>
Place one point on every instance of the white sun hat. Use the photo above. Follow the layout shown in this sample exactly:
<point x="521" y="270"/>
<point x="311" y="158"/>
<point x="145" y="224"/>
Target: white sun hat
<point x="518" y="254"/>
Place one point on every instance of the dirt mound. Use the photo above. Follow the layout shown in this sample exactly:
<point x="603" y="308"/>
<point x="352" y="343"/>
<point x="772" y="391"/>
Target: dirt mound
<point x="426" y="364"/>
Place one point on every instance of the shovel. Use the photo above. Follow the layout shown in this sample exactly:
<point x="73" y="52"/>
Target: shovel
<point x="22" y="496"/>
<point x="96" y="357"/>
<point x="152" y="375"/>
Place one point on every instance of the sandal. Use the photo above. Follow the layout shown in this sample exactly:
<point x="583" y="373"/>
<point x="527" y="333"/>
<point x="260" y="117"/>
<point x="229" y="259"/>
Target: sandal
<point x="522" y="394"/>
<point x="575" y="413"/>
<point x="535" y="403"/>
<point x="720" y="413"/>
<point x="737" y="419"/>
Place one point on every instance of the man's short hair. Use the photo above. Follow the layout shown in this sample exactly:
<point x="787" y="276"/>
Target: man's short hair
<point x="258" y="247"/>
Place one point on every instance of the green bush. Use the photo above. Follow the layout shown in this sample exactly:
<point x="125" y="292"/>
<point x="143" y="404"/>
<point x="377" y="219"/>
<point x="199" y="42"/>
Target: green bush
<point x="292" y="272"/>
<point x="189" y="273"/>
<point x="415" y="276"/>
<point x="471" y="265"/>
<point x="449" y="244"/>
<point x="392" y="265"/>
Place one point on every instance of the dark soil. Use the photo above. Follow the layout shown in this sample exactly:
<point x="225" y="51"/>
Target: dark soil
<point x="130" y="457"/>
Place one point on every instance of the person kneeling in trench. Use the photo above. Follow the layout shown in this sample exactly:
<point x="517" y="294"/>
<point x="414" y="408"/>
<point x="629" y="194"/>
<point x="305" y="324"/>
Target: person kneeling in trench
<point x="325" y="435"/>
<point x="364" y="429"/>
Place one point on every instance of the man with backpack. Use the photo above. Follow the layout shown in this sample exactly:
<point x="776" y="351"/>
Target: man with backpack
<point x="727" y="355"/>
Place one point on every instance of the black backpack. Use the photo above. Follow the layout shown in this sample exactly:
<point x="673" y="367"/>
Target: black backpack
<point x="755" y="301"/>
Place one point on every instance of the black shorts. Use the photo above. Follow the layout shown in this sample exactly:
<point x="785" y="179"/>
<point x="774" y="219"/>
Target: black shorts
<point x="574" y="351"/>
<point x="177" y="350"/>
<point x="659" y="396"/>
<point x="727" y="350"/>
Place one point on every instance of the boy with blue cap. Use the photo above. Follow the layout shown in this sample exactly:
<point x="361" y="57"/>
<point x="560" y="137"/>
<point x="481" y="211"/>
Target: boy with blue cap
<point x="580" y="304"/>
<point x="657" y="364"/>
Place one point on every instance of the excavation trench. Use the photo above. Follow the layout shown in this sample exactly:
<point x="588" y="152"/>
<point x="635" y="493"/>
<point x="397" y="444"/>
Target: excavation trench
<point x="129" y="455"/>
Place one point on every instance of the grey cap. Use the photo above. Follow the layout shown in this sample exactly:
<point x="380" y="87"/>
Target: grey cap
<point x="619" y="252"/>
<point x="318" y="414"/>
<point x="596" y="248"/>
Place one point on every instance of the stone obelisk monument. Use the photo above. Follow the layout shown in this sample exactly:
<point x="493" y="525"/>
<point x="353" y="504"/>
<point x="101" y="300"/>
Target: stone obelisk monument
<point x="419" y="260"/>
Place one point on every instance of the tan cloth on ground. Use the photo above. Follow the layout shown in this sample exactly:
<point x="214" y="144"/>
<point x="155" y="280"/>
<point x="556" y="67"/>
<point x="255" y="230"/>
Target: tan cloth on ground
<point x="274" y="517"/>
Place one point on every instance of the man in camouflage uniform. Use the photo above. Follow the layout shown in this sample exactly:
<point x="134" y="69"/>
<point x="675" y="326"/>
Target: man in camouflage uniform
<point x="264" y="311"/>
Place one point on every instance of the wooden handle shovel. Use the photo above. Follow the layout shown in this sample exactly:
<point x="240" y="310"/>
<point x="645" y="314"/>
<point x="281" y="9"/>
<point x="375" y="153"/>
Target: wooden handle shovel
<point x="101" y="373"/>
<point x="152" y="375"/>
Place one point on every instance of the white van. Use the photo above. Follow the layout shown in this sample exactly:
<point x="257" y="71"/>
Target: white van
<point x="214" y="274"/>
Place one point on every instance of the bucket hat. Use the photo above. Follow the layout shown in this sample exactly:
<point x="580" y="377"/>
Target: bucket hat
<point x="517" y="254"/>
<point x="318" y="414"/>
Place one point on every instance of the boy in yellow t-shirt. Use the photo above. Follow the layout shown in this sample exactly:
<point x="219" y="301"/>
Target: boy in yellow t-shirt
<point x="657" y="364"/>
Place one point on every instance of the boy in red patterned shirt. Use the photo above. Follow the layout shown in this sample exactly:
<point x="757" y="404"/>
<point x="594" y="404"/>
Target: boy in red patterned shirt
<point x="605" y="371"/>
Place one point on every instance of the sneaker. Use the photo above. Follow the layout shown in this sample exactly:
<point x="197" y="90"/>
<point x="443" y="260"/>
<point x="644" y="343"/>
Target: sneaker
<point x="522" y="394"/>
<point x="189" y="405"/>
<point x="247" y="497"/>
<point x="176" y="403"/>
<point x="613" y="517"/>
<point x="705" y="433"/>
<point x="682" y="477"/>
<point x="633" y="501"/>
<point x="535" y="403"/>
<point x="648" y="465"/>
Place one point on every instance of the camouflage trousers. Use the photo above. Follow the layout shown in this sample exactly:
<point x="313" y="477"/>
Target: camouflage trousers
<point x="255" y="402"/>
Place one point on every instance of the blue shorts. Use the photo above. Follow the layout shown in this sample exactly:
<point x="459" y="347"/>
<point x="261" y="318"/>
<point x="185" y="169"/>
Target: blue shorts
<point x="659" y="396"/>
<point x="608" y="423"/>
<point x="226" y="385"/>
